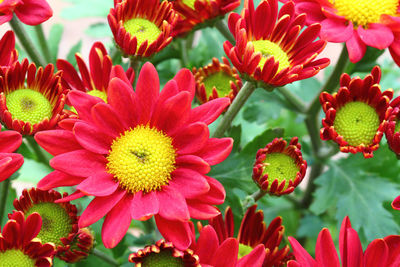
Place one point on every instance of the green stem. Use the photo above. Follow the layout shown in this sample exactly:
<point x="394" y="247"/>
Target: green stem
<point x="184" y="53"/>
<point x="332" y="81"/>
<point x="292" y="99"/>
<point x="241" y="98"/>
<point x="5" y="187"/>
<point x="101" y="255"/>
<point x="38" y="150"/>
<point x="258" y="195"/>
<point x="43" y="42"/>
<point x="135" y="65"/>
<point x="224" y="30"/>
<point x="115" y="56"/>
<point x="26" y="42"/>
<point x="316" y="171"/>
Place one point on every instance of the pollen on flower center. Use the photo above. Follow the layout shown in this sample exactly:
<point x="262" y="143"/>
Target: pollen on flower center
<point x="15" y="257"/>
<point x="28" y="105"/>
<point x="142" y="159"/>
<point x="269" y="49"/>
<point x="281" y="167"/>
<point x="220" y="80"/>
<point x="357" y="122"/>
<point x="164" y="258"/>
<point x="362" y="12"/>
<point x="143" y="29"/>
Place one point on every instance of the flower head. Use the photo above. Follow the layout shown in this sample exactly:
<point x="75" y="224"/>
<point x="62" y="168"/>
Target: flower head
<point x="359" y="23"/>
<point x="383" y="252"/>
<point x="356" y="116"/>
<point x="142" y="27"/>
<point x="195" y="14"/>
<point x="274" y="49"/>
<point x="393" y="127"/>
<point x="396" y="203"/>
<point x="80" y="247"/>
<point x="279" y="169"/>
<point x="253" y="232"/>
<point x="164" y="254"/>
<point x="31" y="99"/>
<point x="216" y="80"/>
<point x="31" y="12"/>
<point x="9" y="162"/>
<point x="144" y="153"/>
<point x="8" y="53"/>
<point x="19" y="245"/>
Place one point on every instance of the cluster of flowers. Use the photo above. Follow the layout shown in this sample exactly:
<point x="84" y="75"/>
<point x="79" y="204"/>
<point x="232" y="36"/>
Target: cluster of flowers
<point x="142" y="153"/>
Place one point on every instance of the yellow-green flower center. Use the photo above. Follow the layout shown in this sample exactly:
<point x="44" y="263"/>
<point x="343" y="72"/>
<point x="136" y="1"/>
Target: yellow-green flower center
<point x="221" y="81"/>
<point x="280" y="167"/>
<point x="99" y="94"/>
<point x="15" y="258"/>
<point x="56" y="222"/>
<point x="397" y="127"/>
<point x="357" y="122"/>
<point x="142" y="159"/>
<point x="28" y="105"/>
<point x="162" y="259"/>
<point x="244" y="250"/>
<point x="363" y="12"/>
<point x="269" y="49"/>
<point x="143" y="29"/>
<point x="190" y="3"/>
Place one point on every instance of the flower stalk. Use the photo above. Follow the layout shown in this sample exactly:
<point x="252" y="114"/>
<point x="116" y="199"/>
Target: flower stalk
<point x="5" y="187"/>
<point x="221" y="26"/>
<point x="43" y="43"/>
<point x="38" y="151"/>
<point x="101" y="255"/>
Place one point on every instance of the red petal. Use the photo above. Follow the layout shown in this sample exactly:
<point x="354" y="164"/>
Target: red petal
<point x="177" y="232"/>
<point x="254" y="258"/>
<point x="172" y="204"/>
<point x="301" y="254"/>
<point x="227" y="253"/>
<point x="144" y="205"/>
<point x="57" y="141"/>
<point x="99" y="185"/>
<point x="377" y="35"/>
<point x="34" y="12"/>
<point x="209" y="111"/>
<point x="336" y="31"/>
<point x="191" y="138"/>
<point x="189" y="183"/>
<point x="356" y="48"/>
<point x="376" y="254"/>
<point x="92" y="138"/>
<point x="147" y="90"/>
<point x="58" y="179"/>
<point x="216" y="150"/>
<point x="207" y="244"/>
<point x="325" y="251"/>
<point x="10" y="141"/>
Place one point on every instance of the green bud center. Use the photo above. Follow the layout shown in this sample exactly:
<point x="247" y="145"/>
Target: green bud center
<point x="143" y="29"/>
<point x="56" y="222"/>
<point x="244" y="250"/>
<point x="221" y="81"/>
<point x="397" y="127"/>
<point x="357" y="122"/>
<point x="280" y="167"/>
<point x="162" y="259"/>
<point x="269" y="49"/>
<point x="28" y="105"/>
<point x="99" y="94"/>
<point x="15" y="258"/>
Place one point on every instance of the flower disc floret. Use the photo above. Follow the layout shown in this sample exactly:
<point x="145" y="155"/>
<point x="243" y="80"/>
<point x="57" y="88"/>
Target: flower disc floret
<point x="269" y="49"/>
<point x="280" y="166"/>
<point x="142" y="159"/>
<point x="14" y="257"/>
<point x="356" y="116"/>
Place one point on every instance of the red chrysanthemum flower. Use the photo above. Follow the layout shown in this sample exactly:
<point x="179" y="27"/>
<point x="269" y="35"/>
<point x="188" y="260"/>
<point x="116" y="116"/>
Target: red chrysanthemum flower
<point x="8" y="53"/>
<point x="142" y="27"/>
<point x="279" y="168"/>
<point x="94" y="79"/>
<point x="9" y="162"/>
<point x="216" y="80"/>
<point x="359" y="23"/>
<point x="19" y="245"/>
<point x="356" y="116"/>
<point x="145" y="153"/>
<point x="164" y="254"/>
<point x="61" y="221"/>
<point x="253" y="232"/>
<point x="80" y="247"/>
<point x="31" y="12"/>
<point x="396" y="203"/>
<point x="383" y="252"/>
<point x="274" y="52"/>
<point x="31" y="99"/>
<point x="196" y="14"/>
<point x="393" y="127"/>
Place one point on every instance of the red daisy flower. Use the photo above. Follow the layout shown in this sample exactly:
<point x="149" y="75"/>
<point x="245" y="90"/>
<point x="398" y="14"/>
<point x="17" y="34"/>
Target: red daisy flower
<point x="279" y="169"/>
<point x="80" y="247"/>
<point x="396" y="203"/>
<point x="8" y="54"/>
<point x="31" y="99"/>
<point x="9" y="162"/>
<point x="356" y="116"/>
<point x="18" y="243"/>
<point x="145" y="153"/>
<point x="94" y="79"/>
<point x="274" y="49"/>
<point x="142" y="27"/>
<point x="196" y="14"/>
<point x="358" y="23"/>
<point x="383" y="252"/>
<point x="216" y="80"/>
<point x="31" y="12"/>
<point x="253" y="232"/>
<point x="393" y="127"/>
<point x="61" y="218"/>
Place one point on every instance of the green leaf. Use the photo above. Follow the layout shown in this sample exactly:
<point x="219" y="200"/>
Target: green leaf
<point x="12" y="194"/>
<point x="310" y="226"/>
<point x="71" y="54"/>
<point x="54" y="39"/>
<point x="88" y="8"/>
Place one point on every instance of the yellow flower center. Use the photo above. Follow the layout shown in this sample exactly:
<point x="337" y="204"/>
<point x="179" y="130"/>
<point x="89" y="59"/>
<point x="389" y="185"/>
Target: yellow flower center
<point x="28" y="105"/>
<point x="363" y="12"/>
<point x="14" y="258"/>
<point x="357" y="122"/>
<point x="143" y="29"/>
<point x="221" y="81"/>
<point x="190" y="3"/>
<point x="269" y="49"/>
<point x="161" y="259"/>
<point x="99" y="94"/>
<point x="280" y="167"/>
<point x="244" y="250"/>
<point x="142" y="159"/>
